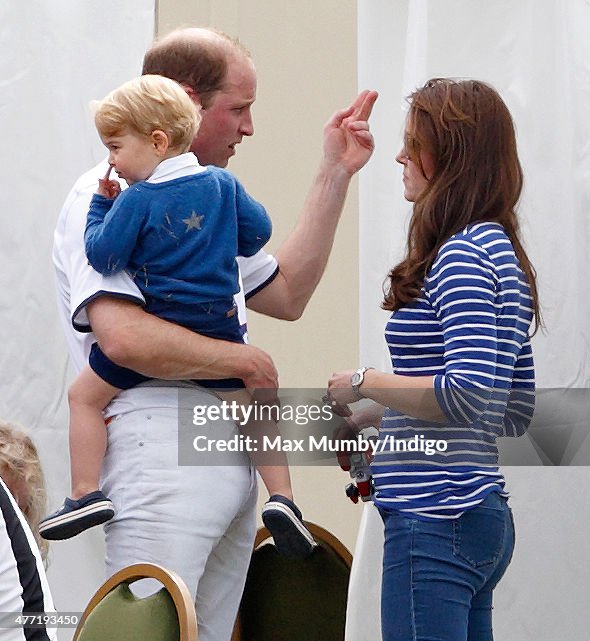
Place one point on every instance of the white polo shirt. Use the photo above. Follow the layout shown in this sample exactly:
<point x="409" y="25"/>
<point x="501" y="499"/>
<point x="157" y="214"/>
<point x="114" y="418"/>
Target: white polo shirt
<point x="78" y="284"/>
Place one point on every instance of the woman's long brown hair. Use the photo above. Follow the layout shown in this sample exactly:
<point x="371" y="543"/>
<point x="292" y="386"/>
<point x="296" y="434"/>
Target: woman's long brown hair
<point x="467" y="129"/>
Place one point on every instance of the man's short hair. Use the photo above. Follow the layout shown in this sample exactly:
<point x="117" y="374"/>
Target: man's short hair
<point x="195" y="57"/>
<point x="146" y="104"/>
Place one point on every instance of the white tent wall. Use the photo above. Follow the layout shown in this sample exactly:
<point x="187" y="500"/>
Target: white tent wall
<point x="57" y="56"/>
<point x="536" y="53"/>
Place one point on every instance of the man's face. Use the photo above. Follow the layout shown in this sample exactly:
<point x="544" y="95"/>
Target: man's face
<point x="228" y="118"/>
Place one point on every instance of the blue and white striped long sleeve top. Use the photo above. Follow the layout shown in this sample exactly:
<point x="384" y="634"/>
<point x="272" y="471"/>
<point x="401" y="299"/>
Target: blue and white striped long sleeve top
<point x="470" y="330"/>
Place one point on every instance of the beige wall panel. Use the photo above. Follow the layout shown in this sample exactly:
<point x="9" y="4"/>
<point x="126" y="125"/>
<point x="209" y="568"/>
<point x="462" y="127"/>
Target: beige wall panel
<point x="305" y="54"/>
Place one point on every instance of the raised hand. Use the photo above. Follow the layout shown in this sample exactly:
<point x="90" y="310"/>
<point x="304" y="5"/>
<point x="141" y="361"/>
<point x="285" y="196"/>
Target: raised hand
<point x="107" y="187"/>
<point x="348" y="141"/>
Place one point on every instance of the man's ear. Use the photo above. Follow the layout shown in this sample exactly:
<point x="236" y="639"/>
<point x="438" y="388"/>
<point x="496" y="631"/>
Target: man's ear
<point x="192" y="94"/>
<point x="160" y="141"/>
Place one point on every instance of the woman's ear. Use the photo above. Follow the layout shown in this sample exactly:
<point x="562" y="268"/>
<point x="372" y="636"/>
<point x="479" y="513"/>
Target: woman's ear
<point x="160" y="141"/>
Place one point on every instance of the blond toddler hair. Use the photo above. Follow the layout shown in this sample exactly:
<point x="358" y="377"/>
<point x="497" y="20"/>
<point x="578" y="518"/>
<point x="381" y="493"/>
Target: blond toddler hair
<point x="20" y="469"/>
<point x="146" y="104"/>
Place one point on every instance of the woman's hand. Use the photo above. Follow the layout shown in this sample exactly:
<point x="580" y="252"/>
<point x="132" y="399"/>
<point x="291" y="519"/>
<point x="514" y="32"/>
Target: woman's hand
<point x="340" y="392"/>
<point x="347" y="430"/>
<point x="368" y="415"/>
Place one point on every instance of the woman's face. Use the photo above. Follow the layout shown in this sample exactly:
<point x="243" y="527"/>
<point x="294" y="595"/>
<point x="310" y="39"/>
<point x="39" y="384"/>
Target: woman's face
<point x="415" y="177"/>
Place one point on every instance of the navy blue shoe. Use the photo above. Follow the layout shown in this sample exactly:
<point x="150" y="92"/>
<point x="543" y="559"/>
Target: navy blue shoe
<point x="74" y="516"/>
<point x="284" y="521"/>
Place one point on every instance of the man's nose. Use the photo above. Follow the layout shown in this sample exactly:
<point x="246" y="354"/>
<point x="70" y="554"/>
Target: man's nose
<point x="247" y="124"/>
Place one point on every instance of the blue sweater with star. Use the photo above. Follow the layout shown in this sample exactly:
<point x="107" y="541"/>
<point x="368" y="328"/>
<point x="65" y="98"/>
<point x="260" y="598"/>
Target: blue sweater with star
<point x="179" y="238"/>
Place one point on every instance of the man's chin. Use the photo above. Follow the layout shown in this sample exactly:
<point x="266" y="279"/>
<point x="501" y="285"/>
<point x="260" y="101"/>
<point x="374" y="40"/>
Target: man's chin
<point x="231" y="152"/>
<point x="216" y="161"/>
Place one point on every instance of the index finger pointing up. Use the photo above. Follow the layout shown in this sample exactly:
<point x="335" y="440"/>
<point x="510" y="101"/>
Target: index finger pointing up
<point x="363" y="105"/>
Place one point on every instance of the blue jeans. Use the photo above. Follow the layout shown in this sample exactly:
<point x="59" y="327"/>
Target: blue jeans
<point x="438" y="576"/>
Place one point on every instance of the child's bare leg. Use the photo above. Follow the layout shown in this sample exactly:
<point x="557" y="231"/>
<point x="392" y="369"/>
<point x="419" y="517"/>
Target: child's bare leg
<point x="276" y="477"/>
<point x="280" y="514"/>
<point x="88" y="506"/>
<point x="88" y="396"/>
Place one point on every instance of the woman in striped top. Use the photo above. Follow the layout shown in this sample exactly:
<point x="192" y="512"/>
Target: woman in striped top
<point x="463" y="300"/>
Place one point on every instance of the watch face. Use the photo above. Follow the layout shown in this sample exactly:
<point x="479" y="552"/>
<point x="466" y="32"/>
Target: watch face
<point x="356" y="378"/>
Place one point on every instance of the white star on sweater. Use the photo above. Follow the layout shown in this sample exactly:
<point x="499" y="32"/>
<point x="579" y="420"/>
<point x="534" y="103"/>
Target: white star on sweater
<point x="194" y="222"/>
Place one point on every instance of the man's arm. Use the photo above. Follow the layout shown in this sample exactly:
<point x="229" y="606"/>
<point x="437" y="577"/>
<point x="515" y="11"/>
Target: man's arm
<point x="303" y="256"/>
<point x="133" y="338"/>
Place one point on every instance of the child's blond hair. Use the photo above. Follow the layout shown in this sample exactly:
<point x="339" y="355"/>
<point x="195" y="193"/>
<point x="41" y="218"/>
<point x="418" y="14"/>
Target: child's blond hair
<point x="147" y="104"/>
<point x="20" y="469"/>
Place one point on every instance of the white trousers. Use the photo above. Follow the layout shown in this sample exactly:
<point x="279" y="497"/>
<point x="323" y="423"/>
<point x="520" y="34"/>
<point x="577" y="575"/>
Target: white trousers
<point x="196" y="520"/>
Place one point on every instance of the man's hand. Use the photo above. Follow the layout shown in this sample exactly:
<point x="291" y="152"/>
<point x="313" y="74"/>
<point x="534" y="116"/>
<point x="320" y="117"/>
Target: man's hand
<point x="261" y="378"/>
<point x="107" y="187"/>
<point x="261" y="373"/>
<point x="302" y="258"/>
<point x="347" y="139"/>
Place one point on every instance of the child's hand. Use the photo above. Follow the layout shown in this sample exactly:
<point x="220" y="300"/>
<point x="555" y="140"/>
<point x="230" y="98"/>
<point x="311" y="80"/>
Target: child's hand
<point x="107" y="187"/>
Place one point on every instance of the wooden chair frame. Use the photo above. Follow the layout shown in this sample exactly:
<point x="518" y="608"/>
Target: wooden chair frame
<point x="172" y="582"/>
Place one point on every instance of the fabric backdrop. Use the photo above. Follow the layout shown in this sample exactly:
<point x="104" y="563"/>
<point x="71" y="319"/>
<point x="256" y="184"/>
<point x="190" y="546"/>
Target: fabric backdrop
<point x="57" y="56"/>
<point x="537" y="54"/>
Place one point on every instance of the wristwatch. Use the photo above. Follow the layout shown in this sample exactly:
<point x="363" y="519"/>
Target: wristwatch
<point x="356" y="380"/>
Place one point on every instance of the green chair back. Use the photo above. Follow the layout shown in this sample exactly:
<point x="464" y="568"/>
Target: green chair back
<point x="121" y="616"/>
<point x="115" y="614"/>
<point x="295" y="600"/>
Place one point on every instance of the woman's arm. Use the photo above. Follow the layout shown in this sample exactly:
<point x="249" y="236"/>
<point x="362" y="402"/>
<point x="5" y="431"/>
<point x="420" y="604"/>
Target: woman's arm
<point x="411" y="395"/>
<point x="461" y="292"/>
